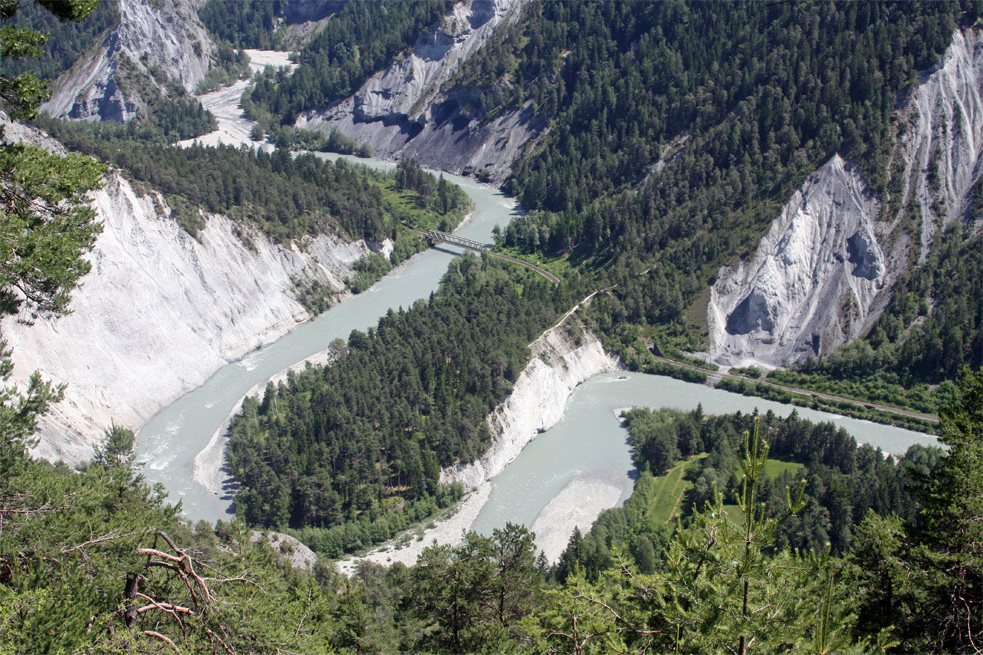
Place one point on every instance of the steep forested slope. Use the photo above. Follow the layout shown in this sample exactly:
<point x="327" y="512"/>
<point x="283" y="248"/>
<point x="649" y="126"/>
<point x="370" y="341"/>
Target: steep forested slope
<point x="129" y="59"/>
<point x="288" y="197"/>
<point x="66" y="40"/>
<point x="678" y="131"/>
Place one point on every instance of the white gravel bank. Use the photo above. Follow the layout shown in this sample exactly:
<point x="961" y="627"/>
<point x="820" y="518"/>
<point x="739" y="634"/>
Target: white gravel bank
<point x="576" y="506"/>
<point x="233" y="127"/>
<point x="448" y="531"/>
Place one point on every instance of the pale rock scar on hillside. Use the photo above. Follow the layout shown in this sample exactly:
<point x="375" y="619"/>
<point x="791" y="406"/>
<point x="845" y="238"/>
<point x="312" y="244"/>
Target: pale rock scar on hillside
<point x="402" y="112"/>
<point x="161" y="311"/>
<point x="824" y="272"/>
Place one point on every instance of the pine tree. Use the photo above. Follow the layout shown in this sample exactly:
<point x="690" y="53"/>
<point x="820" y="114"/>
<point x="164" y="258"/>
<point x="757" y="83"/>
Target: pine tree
<point x="924" y="581"/>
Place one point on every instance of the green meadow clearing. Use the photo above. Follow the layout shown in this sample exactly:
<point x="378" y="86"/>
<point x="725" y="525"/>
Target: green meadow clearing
<point x="672" y="487"/>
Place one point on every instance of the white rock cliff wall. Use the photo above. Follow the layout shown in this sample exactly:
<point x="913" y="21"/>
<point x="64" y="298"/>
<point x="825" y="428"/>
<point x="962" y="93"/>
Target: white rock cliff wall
<point x="171" y="39"/>
<point x="811" y="281"/>
<point x="537" y="401"/>
<point x="944" y="140"/>
<point x="159" y="313"/>
<point x="402" y="112"/>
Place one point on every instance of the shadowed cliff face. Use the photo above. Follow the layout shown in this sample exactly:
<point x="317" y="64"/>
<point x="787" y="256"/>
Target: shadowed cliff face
<point x="305" y="11"/>
<point x="823" y="273"/>
<point x="149" y="45"/>
<point x="402" y="112"/>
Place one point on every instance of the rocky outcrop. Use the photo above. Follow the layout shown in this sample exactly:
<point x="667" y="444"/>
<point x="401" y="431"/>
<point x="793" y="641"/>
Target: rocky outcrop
<point x="943" y="146"/>
<point x="562" y="358"/>
<point x="294" y="552"/>
<point x="823" y="273"/>
<point x="402" y="112"/>
<point x="821" y="253"/>
<point x="156" y="43"/>
<point x="160" y="311"/>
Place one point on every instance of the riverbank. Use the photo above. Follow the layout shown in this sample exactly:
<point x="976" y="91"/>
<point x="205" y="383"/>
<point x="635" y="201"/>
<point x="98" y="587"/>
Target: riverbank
<point x="406" y="548"/>
<point x="577" y="506"/>
<point x="209" y="468"/>
<point x="234" y="129"/>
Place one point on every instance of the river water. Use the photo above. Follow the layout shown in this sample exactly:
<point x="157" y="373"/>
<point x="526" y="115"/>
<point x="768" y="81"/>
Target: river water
<point x="168" y="443"/>
<point x="588" y="444"/>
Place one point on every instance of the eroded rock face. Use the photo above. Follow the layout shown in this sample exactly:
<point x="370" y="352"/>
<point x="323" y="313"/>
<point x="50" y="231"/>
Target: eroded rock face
<point x="943" y="147"/>
<point x="170" y="41"/>
<point x="559" y="364"/>
<point x="820" y="254"/>
<point x="160" y="311"/>
<point x="402" y="112"/>
<point x="824" y="272"/>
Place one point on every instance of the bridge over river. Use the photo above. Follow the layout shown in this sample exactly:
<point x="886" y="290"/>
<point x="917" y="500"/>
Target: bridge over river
<point x="436" y="236"/>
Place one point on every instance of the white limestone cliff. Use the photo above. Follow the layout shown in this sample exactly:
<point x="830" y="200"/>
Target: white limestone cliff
<point x="820" y="254"/>
<point x="824" y="272"/>
<point x="164" y="36"/>
<point x="943" y="145"/>
<point x="402" y="112"/>
<point x="559" y="363"/>
<point x="160" y="311"/>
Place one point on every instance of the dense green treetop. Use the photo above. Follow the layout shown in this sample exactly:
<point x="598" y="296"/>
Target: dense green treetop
<point x="353" y="440"/>
<point x="46" y="227"/>
<point x="286" y="196"/>
<point x="243" y="23"/>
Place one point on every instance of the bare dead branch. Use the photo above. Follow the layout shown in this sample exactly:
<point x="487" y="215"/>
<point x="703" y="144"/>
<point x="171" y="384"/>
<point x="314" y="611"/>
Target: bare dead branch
<point x="151" y="633"/>
<point x="92" y="542"/>
<point x="219" y="640"/>
<point x="617" y="616"/>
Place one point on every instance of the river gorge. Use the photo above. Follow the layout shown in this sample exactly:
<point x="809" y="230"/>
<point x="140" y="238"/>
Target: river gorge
<point x="578" y="464"/>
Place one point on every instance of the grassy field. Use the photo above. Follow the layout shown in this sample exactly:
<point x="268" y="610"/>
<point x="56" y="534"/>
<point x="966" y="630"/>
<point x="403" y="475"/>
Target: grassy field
<point x="775" y="467"/>
<point x="669" y="491"/>
<point x="671" y="487"/>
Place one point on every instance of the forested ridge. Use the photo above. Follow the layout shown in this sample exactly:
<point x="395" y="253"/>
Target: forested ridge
<point x="678" y="131"/>
<point x="286" y="196"/>
<point x="243" y="24"/>
<point x="844" y="482"/>
<point x="95" y="561"/>
<point x="66" y="42"/>
<point x="361" y="38"/>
